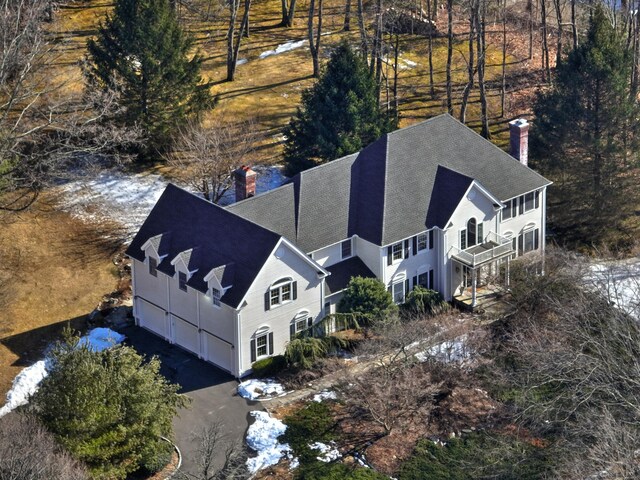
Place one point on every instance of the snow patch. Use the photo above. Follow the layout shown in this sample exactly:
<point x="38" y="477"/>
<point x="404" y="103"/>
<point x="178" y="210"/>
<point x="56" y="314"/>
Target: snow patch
<point x="27" y="381"/>
<point x="260" y="389"/>
<point x="283" y="47"/>
<point x="262" y="436"/>
<point x="620" y="282"/>
<point x="24" y="385"/>
<point x="328" y="453"/>
<point x="100" y="339"/>
<point x="241" y="61"/>
<point x="325" y="395"/>
<point x="448" y="351"/>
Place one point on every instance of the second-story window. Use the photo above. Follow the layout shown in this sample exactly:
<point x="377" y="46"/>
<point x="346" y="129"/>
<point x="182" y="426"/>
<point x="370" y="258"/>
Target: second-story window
<point x="422" y="241"/>
<point x="346" y="248"/>
<point x="396" y="251"/>
<point x="510" y="209"/>
<point x="182" y="281"/>
<point x="529" y="201"/>
<point x="283" y="291"/>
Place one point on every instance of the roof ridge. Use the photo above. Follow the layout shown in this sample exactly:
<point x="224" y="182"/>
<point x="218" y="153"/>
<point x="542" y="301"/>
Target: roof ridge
<point x="384" y="193"/>
<point x="422" y="122"/>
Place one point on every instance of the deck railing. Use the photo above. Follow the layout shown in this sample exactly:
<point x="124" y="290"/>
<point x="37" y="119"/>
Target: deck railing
<point x="502" y="247"/>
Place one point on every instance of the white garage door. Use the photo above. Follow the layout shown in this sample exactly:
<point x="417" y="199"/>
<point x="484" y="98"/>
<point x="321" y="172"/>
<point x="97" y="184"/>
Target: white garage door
<point x="185" y="334"/>
<point x="218" y="352"/>
<point x="152" y="318"/>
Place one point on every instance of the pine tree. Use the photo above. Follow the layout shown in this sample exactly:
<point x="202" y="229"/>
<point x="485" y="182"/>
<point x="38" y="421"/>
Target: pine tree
<point x="585" y="134"/>
<point x="109" y="408"/>
<point x="143" y="55"/>
<point x="339" y="115"/>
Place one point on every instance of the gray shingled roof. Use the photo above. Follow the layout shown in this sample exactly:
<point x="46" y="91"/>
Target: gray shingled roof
<point x="218" y="239"/>
<point x="342" y="272"/>
<point x="384" y="192"/>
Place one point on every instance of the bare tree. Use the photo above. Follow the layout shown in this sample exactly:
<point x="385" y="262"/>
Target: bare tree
<point x="449" y="56"/>
<point x="288" y="12"/>
<point x="206" y="157"/>
<point x="234" y="40"/>
<point x="482" y="60"/>
<point x="473" y="12"/>
<point x="217" y="457"/>
<point x="29" y="452"/>
<point x="347" y="16"/>
<point x="314" y="40"/>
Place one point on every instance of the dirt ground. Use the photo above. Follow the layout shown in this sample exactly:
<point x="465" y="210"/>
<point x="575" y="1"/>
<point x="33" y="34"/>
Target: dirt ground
<point x="56" y="270"/>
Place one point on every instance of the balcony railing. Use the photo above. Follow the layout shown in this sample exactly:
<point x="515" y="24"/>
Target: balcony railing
<point x="492" y="248"/>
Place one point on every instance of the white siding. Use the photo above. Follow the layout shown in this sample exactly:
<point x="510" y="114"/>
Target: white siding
<point x="535" y="217"/>
<point x="369" y="253"/>
<point x="327" y="256"/>
<point x="278" y="319"/>
<point x="424" y="260"/>
<point x="152" y="289"/>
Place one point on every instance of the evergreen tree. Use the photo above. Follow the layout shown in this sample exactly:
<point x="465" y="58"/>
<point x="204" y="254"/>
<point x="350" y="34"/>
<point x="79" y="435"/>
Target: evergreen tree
<point x="108" y="408"/>
<point x="368" y="297"/>
<point x="585" y="134"/>
<point x="143" y="55"/>
<point x="339" y="115"/>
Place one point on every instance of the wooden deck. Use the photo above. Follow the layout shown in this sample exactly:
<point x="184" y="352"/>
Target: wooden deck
<point x="486" y="297"/>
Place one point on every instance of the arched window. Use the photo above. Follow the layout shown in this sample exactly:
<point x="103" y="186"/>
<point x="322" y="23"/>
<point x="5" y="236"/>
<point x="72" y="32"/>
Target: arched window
<point x="300" y="324"/>
<point x="261" y="344"/>
<point x="472" y="233"/>
<point x="283" y="291"/>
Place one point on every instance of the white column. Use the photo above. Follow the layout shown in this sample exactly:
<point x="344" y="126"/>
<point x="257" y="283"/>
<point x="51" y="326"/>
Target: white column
<point x="474" y="275"/>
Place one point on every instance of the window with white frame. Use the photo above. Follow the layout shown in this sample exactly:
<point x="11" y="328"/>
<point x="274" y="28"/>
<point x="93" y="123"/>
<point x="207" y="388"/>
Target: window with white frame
<point x="301" y="325"/>
<point x="282" y="291"/>
<point x="398" y="292"/>
<point x="153" y="266"/>
<point x="346" y="248"/>
<point x="510" y="209"/>
<point x="215" y="296"/>
<point x="529" y="201"/>
<point x="262" y="345"/>
<point x="472" y="235"/>
<point x="182" y="281"/>
<point x="528" y="241"/>
<point x="397" y="251"/>
<point x="422" y="241"/>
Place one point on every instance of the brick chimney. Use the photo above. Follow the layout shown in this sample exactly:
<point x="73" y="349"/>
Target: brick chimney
<point x="245" y="180"/>
<point x="519" y="140"/>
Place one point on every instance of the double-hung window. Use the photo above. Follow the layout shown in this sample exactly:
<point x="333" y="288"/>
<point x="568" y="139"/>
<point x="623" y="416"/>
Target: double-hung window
<point x="422" y="241"/>
<point x="529" y="201"/>
<point x="396" y="251"/>
<point x="261" y="344"/>
<point x="215" y="296"/>
<point x="398" y="292"/>
<point x="346" y="248"/>
<point x="528" y="241"/>
<point x="283" y="291"/>
<point x="510" y="209"/>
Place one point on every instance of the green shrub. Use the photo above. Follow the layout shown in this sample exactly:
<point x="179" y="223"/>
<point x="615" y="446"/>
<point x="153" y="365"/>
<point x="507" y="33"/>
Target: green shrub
<point x="368" y="298"/>
<point x="336" y="471"/>
<point x="157" y="460"/>
<point x="312" y="423"/>
<point x="478" y="455"/>
<point x="269" y="367"/>
<point x="303" y="352"/>
<point x="422" y="301"/>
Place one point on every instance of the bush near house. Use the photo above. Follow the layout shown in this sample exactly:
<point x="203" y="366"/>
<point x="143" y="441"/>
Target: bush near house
<point x="108" y="409"/>
<point x="421" y="301"/>
<point x="369" y="298"/>
<point x="268" y="367"/>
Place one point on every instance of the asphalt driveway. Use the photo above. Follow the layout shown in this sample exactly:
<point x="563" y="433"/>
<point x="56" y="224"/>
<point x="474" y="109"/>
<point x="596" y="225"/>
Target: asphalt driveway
<point x="213" y="393"/>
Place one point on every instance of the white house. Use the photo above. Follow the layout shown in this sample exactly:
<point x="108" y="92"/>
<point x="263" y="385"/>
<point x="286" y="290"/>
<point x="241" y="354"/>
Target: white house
<point x="433" y="204"/>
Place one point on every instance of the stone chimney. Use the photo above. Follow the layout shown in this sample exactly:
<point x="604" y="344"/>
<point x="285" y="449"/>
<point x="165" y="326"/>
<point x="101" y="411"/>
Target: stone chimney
<point x="519" y="140"/>
<point x="245" y="180"/>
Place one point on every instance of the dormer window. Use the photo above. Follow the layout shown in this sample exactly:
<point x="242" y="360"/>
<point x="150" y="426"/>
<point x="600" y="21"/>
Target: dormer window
<point x="153" y="267"/>
<point x="182" y="281"/>
<point x="281" y="292"/>
<point x="346" y="248"/>
<point x="215" y="296"/>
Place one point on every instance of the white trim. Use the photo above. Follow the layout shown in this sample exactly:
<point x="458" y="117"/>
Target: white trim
<point x="322" y="272"/>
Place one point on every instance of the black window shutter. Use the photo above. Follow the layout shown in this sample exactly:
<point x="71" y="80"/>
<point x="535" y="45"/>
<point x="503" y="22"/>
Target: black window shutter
<point x="310" y="322"/>
<point x="292" y="331"/>
<point x="406" y="248"/>
<point x="536" y="239"/>
<point x="415" y="281"/>
<point x="430" y="239"/>
<point x="431" y="280"/>
<point x="267" y="300"/>
<point x="294" y="287"/>
<point x="520" y="244"/>
<point x="406" y="288"/>
<point x="415" y="245"/>
<point x="521" y="201"/>
<point x="389" y="255"/>
<point x="537" y="199"/>
<point x="270" y="343"/>
<point x="253" y="351"/>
